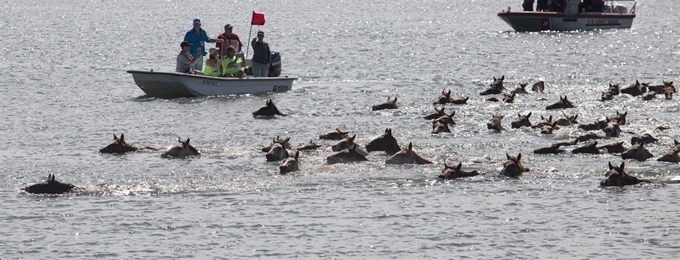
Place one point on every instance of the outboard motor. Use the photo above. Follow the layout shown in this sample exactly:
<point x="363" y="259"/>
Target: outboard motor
<point x="275" y="68"/>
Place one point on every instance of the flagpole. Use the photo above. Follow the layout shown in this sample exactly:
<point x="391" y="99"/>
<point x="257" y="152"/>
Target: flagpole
<point x="249" y="33"/>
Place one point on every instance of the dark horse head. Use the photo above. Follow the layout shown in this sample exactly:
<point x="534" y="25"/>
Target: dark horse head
<point x="183" y="149"/>
<point x="496" y="87"/>
<point x="269" y="109"/>
<point x="563" y="103"/>
<point x="389" y="104"/>
<point x="278" y="151"/>
<point x="617" y="176"/>
<point x="513" y="167"/>
<point x="638" y="152"/>
<point x="450" y="172"/>
<point x="290" y="164"/>
<point x="346" y="156"/>
<point x="521" y="121"/>
<point x="407" y="156"/>
<point x="335" y="135"/>
<point x="118" y="145"/>
<point x="386" y="142"/>
<point x="52" y="186"/>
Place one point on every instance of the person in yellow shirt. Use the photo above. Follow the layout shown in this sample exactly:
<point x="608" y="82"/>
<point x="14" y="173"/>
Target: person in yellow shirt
<point x="232" y="64"/>
<point x="212" y="64"/>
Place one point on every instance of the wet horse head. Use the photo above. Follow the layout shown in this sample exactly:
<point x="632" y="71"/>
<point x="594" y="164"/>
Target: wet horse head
<point x="567" y="120"/>
<point x="279" y="140"/>
<point x="617" y="176"/>
<point x="52" y="186"/>
<point x="563" y="103"/>
<point x="386" y="142"/>
<point x="496" y="87"/>
<point x="643" y="139"/>
<point x="509" y="98"/>
<point x="438" y="126"/>
<point x="495" y="123"/>
<point x="620" y="118"/>
<point x="277" y="152"/>
<point x="451" y="172"/>
<point x="346" y="156"/>
<point x="335" y="135"/>
<point x="118" y="145"/>
<point x="522" y="89"/>
<point x="444" y="98"/>
<point x="612" y="129"/>
<point x="183" y="149"/>
<point x="346" y="143"/>
<point x="521" y="121"/>
<point x="588" y="148"/>
<point x="513" y="167"/>
<point x="290" y="164"/>
<point x="407" y="156"/>
<point x="438" y="112"/>
<point x="616" y="147"/>
<point x="310" y="146"/>
<point x="269" y="109"/>
<point x="638" y="152"/>
<point x="672" y="154"/>
<point x="635" y="89"/>
<point x="389" y="104"/>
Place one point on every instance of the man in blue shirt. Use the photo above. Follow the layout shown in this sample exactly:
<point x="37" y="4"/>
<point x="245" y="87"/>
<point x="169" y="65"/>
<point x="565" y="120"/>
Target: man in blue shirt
<point x="197" y="37"/>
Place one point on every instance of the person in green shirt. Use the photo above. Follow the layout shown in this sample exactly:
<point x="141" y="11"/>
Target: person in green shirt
<point x="212" y="64"/>
<point x="232" y="64"/>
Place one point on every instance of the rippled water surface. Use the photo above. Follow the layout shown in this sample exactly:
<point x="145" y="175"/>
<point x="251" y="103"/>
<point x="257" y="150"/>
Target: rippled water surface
<point x="65" y="91"/>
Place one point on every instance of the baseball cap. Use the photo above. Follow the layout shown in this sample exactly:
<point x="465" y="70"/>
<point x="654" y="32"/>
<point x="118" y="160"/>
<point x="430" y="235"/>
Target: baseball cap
<point x="197" y="20"/>
<point x="260" y="33"/>
<point x="184" y="44"/>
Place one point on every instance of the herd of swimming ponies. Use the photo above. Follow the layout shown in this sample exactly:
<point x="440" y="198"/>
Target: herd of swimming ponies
<point x="347" y="151"/>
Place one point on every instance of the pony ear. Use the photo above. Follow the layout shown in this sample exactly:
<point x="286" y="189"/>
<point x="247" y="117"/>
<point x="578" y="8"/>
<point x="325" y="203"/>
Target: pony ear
<point x="297" y="155"/>
<point x="395" y="100"/>
<point x="445" y="166"/>
<point x="453" y="113"/>
<point x="284" y="141"/>
<point x="676" y="142"/>
<point x="623" y="164"/>
<point x="410" y="146"/>
<point x="187" y="142"/>
<point x="503" y="77"/>
<point x="122" y="138"/>
<point x="352" y="138"/>
<point x="528" y="115"/>
<point x="519" y="157"/>
<point x="115" y="137"/>
<point x="611" y="166"/>
<point x="460" y="165"/>
<point x="507" y="155"/>
<point x="448" y="93"/>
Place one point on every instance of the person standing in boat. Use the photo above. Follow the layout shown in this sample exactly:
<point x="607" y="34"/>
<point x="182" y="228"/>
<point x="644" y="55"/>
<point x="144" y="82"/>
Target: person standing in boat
<point x="542" y="6"/>
<point x="262" y="56"/>
<point x="185" y="60"/>
<point x="230" y="39"/>
<point x="213" y="63"/>
<point x="528" y="5"/>
<point x="232" y="64"/>
<point x="597" y="6"/>
<point x="198" y="37"/>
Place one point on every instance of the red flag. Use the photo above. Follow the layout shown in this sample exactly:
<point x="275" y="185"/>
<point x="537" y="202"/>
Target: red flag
<point x="258" y="19"/>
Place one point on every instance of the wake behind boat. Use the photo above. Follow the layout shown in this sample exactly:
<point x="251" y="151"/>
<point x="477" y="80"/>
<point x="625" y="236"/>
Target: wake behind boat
<point x="174" y="84"/>
<point x="613" y="15"/>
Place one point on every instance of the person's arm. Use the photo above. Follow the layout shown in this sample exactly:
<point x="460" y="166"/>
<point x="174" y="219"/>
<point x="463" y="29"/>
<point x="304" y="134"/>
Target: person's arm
<point x="198" y="51"/>
<point x="269" y="57"/>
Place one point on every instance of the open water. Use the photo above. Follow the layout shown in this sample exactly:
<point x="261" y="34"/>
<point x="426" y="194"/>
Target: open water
<point x="65" y="92"/>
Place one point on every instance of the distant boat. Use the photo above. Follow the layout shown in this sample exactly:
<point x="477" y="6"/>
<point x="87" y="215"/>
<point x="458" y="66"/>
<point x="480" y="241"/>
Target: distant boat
<point x="613" y="16"/>
<point x="174" y="84"/>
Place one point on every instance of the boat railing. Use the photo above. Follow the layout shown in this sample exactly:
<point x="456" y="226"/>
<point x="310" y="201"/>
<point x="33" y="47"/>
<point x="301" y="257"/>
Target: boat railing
<point x="615" y="6"/>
